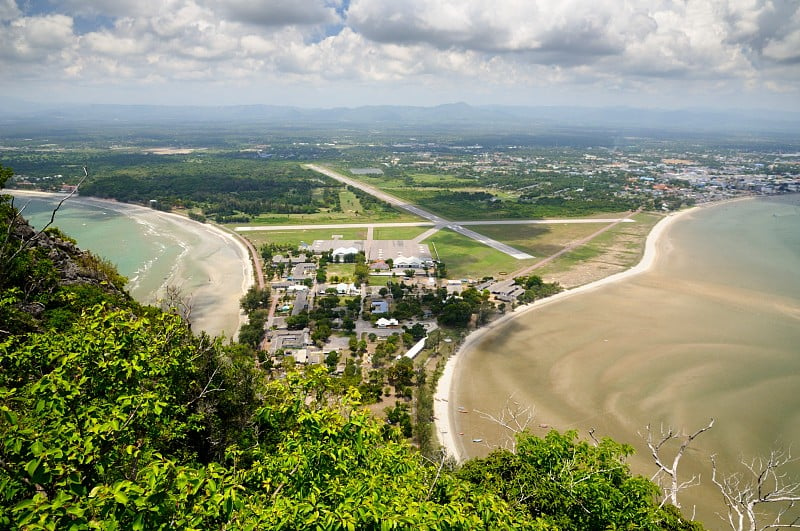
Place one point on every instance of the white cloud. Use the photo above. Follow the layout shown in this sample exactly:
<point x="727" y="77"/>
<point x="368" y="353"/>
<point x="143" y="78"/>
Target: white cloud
<point x="9" y="10"/>
<point x="37" y="38"/>
<point x="445" y="46"/>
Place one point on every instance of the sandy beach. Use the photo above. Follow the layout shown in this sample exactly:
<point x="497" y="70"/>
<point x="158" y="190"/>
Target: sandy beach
<point x="213" y="269"/>
<point x="444" y="410"/>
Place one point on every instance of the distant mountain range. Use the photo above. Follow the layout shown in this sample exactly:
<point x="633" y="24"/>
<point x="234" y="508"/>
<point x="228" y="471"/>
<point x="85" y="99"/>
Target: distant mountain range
<point x="456" y="116"/>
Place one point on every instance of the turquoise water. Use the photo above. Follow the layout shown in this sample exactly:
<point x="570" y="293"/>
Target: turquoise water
<point x="154" y="250"/>
<point x="142" y="250"/>
<point x="712" y="330"/>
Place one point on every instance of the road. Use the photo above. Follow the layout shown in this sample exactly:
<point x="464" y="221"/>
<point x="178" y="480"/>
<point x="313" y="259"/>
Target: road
<point x="408" y="207"/>
<point x="258" y="269"/>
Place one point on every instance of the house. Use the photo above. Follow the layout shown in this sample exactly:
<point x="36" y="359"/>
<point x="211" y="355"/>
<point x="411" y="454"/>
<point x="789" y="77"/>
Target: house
<point x="303" y="270"/>
<point x="506" y="290"/>
<point x="340" y="253"/>
<point x="379" y="265"/>
<point x="378" y="307"/>
<point x="416" y="349"/>
<point x="408" y="262"/>
<point x="387" y="323"/>
<point x="289" y="260"/>
<point x="346" y="289"/>
<point x="300" y="356"/>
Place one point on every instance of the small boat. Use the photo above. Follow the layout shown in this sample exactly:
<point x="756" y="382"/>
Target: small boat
<point x="477" y="440"/>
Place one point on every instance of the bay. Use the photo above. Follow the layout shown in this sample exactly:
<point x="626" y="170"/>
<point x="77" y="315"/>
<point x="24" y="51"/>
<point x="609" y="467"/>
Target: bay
<point x="711" y="330"/>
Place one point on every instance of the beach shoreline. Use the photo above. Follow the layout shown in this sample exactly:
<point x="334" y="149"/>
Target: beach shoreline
<point x="224" y="288"/>
<point x="444" y="411"/>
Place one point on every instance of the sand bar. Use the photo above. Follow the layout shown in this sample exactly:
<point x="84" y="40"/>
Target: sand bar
<point x="216" y="256"/>
<point x="444" y="410"/>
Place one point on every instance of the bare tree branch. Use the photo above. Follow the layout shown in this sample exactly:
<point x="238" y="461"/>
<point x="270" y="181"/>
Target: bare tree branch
<point x="514" y="417"/>
<point x="764" y="483"/>
<point x="672" y="486"/>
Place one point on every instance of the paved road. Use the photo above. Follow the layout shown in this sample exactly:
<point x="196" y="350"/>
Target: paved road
<point x="259" y="270"/>
<point x="408" y="207"/>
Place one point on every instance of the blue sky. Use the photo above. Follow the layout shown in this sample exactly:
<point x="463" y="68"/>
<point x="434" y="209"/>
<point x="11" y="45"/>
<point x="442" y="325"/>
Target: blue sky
<point x="325" y="53"/>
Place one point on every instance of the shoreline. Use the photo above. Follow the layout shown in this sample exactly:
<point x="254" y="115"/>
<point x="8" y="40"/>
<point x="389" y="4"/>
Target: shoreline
<point x="219" y="289"/>
<point x="444" y="412"/>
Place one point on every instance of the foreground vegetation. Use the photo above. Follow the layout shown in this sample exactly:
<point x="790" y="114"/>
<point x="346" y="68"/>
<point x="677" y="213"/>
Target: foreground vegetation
<point x="115" y="415"/>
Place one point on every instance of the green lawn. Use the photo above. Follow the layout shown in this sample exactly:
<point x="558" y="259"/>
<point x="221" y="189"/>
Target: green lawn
<point x="320" y="218"/>
<point x="466" y="258"/>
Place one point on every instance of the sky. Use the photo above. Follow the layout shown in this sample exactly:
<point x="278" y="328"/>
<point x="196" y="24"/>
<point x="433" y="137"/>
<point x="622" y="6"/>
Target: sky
<point x="741" y="54"/>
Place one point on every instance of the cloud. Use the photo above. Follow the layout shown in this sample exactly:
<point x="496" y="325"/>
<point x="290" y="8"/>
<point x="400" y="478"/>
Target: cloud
<point x="278" y="12"/>
<point x="9" y="10"/>
<point x="42" y="38"/>
<point x="445" y="46"/>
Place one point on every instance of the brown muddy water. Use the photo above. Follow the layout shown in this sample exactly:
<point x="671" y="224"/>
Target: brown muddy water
<point x="711" y="330"/>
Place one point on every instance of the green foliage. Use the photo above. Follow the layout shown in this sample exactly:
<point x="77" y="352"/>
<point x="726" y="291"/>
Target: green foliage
<point x="455" y="313"/>
<point x="536" y="288"/>
<point x="248" y="188"/>
<point x="255" y="299"/>
<point x="571" y="484"/>
<point x="5" y="175"/>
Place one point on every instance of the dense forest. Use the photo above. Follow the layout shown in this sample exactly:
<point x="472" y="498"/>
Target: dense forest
<point x="115" y="416"/>
<point x="220" y="187"/>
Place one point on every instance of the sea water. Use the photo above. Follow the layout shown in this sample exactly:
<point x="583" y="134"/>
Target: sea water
<point x="712" y="330"/>
<point x="141" y="249"/>
<point x="155" y="250"/>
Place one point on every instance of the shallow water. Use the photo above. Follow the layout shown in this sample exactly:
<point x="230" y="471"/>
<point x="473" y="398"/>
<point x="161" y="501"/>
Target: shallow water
<point x="712" y="330"/>
<point x="153" y="251"/>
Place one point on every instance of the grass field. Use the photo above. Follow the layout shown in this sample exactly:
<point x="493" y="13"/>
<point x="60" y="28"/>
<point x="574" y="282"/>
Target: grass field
<point x="539" y="240"/>
<point x="302" y="235"/>
<point x="398" y="233"/>
<point x="466" y="258"/>
<point x="615" y="250"/>
<point x="350" y="202"/>
<point x="340" y="272"/>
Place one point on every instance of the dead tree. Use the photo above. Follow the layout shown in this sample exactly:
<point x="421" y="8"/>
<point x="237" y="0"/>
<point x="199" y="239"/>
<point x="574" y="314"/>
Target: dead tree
<point x="667" y="475"/>
<point x="174" y="300"/>
<point x="514" y="417"/>
<point x="763" y="484"/>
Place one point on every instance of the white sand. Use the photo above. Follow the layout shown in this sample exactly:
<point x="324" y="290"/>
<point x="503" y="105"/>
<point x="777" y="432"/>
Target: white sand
<point x="221" y="256"/>
<point x="442" y="409"/>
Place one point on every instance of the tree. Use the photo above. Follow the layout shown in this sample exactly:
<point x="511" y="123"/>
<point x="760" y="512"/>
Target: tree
<point x="255" y="299"/>
<point x="570" y="484"/>
<point x="418" y="331"/>
<point x="455" y="313"/>
<point x="763" y="484"/>
<point x="332" y="360"/>
<point x="672" y="486"/>
<point x="401" y="374"/>
<point x="361" y="273"/>
<point x="398" y="415"/>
